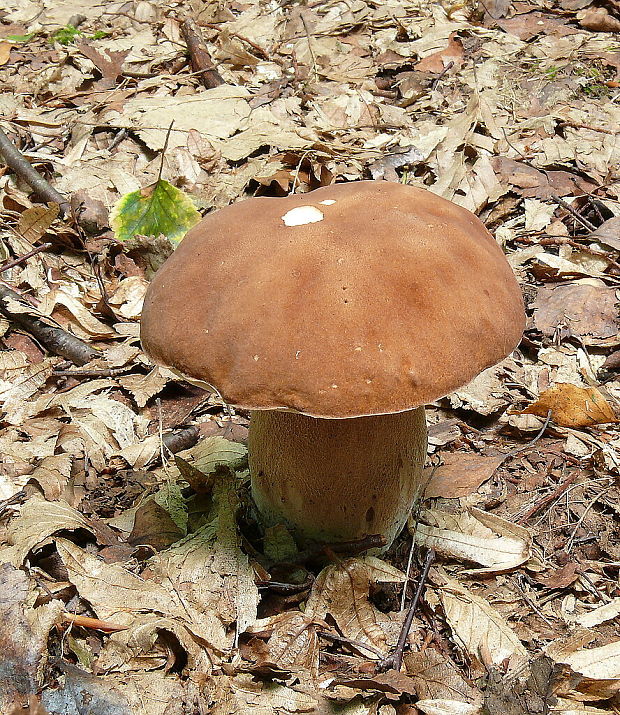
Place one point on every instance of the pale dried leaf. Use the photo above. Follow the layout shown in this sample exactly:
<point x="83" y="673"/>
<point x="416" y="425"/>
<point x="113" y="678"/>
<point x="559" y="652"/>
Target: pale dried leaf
<point x="476" y="624"/>
<point x="39" y="519"/>
<point x="476" y="536"/>
<point x="143" y="387"/>
<point x="52" y="475"/>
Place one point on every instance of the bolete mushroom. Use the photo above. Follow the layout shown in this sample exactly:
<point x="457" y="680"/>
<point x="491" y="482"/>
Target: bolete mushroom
<point x="334" y="316"/>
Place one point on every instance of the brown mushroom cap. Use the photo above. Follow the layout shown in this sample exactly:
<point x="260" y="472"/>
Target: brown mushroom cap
<point x="389" y="298"/>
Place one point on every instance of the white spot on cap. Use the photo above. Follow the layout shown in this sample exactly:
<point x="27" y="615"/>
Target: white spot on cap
<point x="327" y="202"/>
<point x="301" y="215"/>
<point x="297" y="354"/>
<point x="256" y="357"/>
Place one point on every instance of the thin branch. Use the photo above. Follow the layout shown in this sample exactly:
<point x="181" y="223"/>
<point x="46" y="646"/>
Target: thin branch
<point x="55" y="339"/>
<point x="575" y="214"/>
<point x="25" y="257"/>
<point x="395" y="659"/>
<point x="199" y="54"/>
<point x="24" y="169"/>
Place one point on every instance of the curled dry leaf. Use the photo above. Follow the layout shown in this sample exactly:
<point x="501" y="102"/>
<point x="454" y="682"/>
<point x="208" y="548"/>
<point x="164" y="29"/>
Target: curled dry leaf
<point x="478" y="627"/>
<point x="293" y="643"/>
<point x="606" y="612"/>
<point x="208" y="568"/>
<point x="572" y="406"/>
<point x="586" y="308"/>
<point x="35" y="221"/>
<point x="39" y="519"/>
<point x="474" y="536"/>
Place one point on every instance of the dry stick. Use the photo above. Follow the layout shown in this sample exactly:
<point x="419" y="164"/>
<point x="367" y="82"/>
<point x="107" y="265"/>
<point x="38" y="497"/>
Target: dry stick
<point x="56" y="340"/>
<point x="551" y="497"/>
<point x="87" y="622"/>
<point x="24" y="169"/>
<point x="575" y="214"/>
<point x="25" y="257"/>
<point x="199" y="54"/>
<point x="395" y="659"/>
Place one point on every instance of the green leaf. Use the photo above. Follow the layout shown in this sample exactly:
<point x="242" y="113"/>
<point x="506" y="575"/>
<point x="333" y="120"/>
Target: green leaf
<point x="20" y="38"/>
<point x="157" y="209"/>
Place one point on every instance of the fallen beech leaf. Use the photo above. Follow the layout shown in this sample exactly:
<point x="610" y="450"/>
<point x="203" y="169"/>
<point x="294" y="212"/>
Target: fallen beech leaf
<point x="23" y="637"/>
<point x="5" y="52"/>
<point x="572" y="406"/>
<point x="436" y="677"/>
<point x="342" y="591"/>
<point x="478" y="626"/>
<point x="35" y="221"/>
<point x="461" y="474"/>
<point x="599" y="20"/>
<point x="476" y="536"/>
<point x="293" y="642"/>
<point x="586" y="308"/>
<point x="157" y="209"/>
<point x="39" y="519"/>
<point x="392" y="682"/>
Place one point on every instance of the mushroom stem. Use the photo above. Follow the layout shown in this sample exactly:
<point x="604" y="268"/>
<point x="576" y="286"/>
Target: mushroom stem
<point x="335" y="480"/>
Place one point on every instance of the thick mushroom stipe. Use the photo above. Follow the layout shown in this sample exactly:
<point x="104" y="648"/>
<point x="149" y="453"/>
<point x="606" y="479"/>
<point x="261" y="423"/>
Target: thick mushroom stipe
<point x="337" y="480"/>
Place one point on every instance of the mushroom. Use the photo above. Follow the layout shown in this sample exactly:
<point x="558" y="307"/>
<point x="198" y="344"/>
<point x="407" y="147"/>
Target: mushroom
<point x="334" y="316"/>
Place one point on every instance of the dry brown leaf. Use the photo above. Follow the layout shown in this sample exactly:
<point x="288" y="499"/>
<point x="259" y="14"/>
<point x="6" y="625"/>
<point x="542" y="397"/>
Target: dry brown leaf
<point x="83" y="322"/>
<point x="585" y="308"/>
<point x="599" y="19"/>
<point x="342" y="591"/>
<point x="35" y="221"/>
<point x="572" y="406"/>
<point x="460" y="474"/>
<point x="52" y="475"/>
<point x="143" y="387"/>
<point x="436" y="677"/>
<point x="438" y="61"/>
<point x="293" y="643"/>
<point x="38" y="520"/>
<point x="448" y="707"/>
<point x="204" y="581"/>
<point x="606" y="612"/>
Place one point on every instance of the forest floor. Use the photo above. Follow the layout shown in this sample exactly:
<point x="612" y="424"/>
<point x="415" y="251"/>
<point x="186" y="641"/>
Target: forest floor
<point x="132" y="580"/>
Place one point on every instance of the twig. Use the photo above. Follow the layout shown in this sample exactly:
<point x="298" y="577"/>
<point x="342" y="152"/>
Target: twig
<point x="575" y="214"/>
<point x="199" y="54"/>
<point x="349" y="641"/>
<point x="286" y="588"/>
<point x="395" y="659"/>
<point x="350" y="548"/>
<point x="87" y="622"/>
<point x="533" y="441"/>
<point x="24" y="169"/>
<point x="102" y="372"/>
<point x="55" y="339"/>
<point x="310" y="49"/>
<point x="440" y="76"/>
<point x="25" y="257"/>
<point x="551" y="497"/>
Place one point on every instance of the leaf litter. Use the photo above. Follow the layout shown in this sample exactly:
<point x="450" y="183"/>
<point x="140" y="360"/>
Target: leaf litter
<point x="509" y="109"/>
